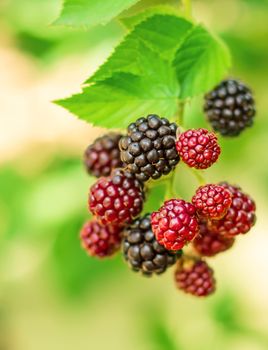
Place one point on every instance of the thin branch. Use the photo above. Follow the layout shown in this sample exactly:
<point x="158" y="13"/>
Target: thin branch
<point x="187" y="7"/>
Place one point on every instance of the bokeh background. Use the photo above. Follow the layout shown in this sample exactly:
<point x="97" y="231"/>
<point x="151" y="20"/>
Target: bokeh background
<point x="53" y="296"/>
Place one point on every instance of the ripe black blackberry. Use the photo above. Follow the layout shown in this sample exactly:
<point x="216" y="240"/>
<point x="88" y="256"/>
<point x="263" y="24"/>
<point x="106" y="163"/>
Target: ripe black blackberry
<point x="142" y="251"/>
<point x="101" y="157"/>
<point x="149" y="149"/>
<point x="230" y="107"/>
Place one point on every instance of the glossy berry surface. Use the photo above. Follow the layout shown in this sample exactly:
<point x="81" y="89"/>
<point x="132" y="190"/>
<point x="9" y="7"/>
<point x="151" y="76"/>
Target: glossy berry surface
<point x="209" y="243"/>
<point x="142" y="251"/>
<point x="212" y="201"/>
<point x="149" y="149"/>
<point x="100" y="240"/>
<point x="175" y="224"/>
<point x="195" y="277"/>
<point x="103" y="155"/>
<point x="198" y="148"/>
<point x="116" y="199"/>
<point x="230" y="107"/>
<point x="240" y="216"/>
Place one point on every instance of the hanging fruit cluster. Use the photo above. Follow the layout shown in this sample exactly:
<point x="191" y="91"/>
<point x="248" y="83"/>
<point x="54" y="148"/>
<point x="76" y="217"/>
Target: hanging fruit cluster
<point x="152" y="147"/>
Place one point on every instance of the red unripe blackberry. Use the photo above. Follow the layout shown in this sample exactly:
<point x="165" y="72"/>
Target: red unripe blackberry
<point x="149" y="149"/>
<point x="175" y="224"/>
<point x="142" y="251"/>
<point x="195" y="277"/>
<point x="209" y="243"/>
<point x="240" y="216"/>
<point x="116" y="199"/>
<point x="103" y="155"/>
<point x="198" y="148"/>
<point x="212" y="201"/>
<point x="99" y="240"/>
<point x="230" y="107"/>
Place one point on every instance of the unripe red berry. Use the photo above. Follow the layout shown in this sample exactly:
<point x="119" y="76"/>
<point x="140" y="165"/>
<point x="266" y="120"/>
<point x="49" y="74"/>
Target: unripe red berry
<point x="175" y="224"/>
<point x="100" y="240"/>
<point x="195" y="277"/>
<point x="240" y="216"/>
<point x="198" y="148"/>
<point x="116" y="199"/>
<point x="209" y="243"/>
<point x="212" y="201"/>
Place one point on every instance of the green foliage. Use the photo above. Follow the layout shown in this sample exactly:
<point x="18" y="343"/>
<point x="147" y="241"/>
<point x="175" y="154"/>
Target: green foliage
<point x="157" y="329"/>
<point x="200" y="62"/>
<point x="34" y="44"/>
<point x="117" y="101"/>
<point x="13" y="189"/>
<point x="161" y="336"/>
<point x="151" y="39"/>
<point x="85" y="13"/>
<point x="74" y="271"/>
<point x="163" y="59"/>
<point x="131" y="21"/>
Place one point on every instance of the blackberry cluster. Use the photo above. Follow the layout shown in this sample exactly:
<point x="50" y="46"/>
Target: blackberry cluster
<point x="143" y="252"/>
<point x="103" y="155"/>
<point x="116" y="199"/>
<point x="230" y="107"/>
<point x="153" y="242"/>
<point x="149" y="149"/>
<point x="195" y="277"/>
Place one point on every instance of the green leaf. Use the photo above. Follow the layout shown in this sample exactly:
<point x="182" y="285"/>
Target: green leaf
<point x="161" y="33"/>
<point x="131" y="21"/>
<point x="119" y="100"/>
<point x="88" y="13"/>
<point x="200" y="62"/>
<point x="164" y="58"/>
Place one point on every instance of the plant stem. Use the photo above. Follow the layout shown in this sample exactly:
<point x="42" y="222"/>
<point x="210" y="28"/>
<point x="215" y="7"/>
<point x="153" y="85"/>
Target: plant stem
<point x="187" y="7"/>
<point x="181" y="106"/>
<point x="198" y="174"/>
<point x="170" y="190"/>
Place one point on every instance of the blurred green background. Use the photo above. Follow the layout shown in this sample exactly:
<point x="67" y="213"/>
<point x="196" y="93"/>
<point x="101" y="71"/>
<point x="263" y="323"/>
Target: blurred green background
<point x="52" y="295"/>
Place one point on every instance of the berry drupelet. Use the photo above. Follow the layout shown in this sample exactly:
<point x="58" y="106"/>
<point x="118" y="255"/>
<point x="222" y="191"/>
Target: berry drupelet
<point x="240" y="216"/>
<point x="175" y="224"/>
<point x="212" y="201"/>
<point x="142" y="251"/>
<point x="210" y="243"/>
<point x="195" y="277"/>
<point x="103" y="155"/>
<point x="99" y="240"/>
<point x="198" y="148"/>
<point x="230" y="107"/>
<point x="116" y="199"/>
<point x="149" y="149"/>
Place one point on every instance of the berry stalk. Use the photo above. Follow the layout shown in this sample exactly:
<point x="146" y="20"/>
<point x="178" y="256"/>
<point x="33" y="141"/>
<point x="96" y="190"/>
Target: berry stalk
<point x="187" y="6"/>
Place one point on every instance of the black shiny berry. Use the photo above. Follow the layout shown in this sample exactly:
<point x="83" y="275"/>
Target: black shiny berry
<point x="149" y="149"/>
<point x="230" y="107"/>
<point x="142" y="251"/>
<point x="101" y="157"/>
